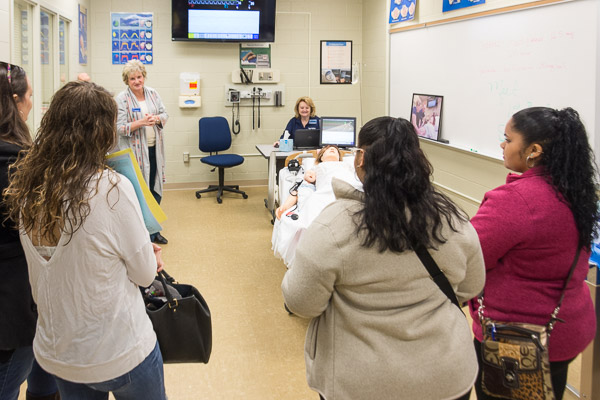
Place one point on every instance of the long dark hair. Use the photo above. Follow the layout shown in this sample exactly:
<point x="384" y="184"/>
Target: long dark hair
<point x="13" y="128"/>
<point x="402" y="209"/>
<point x="49" y="187"/>
<point x="568" y="161"/>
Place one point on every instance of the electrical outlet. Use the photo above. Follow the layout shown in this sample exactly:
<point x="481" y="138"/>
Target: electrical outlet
<point x="186" y="157"/>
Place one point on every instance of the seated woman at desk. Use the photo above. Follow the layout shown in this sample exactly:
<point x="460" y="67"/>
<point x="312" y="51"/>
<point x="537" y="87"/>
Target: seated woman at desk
<point x="305" y="118"/>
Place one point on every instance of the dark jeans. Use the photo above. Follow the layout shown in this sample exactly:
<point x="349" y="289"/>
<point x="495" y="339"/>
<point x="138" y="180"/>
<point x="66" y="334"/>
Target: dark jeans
<point x="146" y="381"/>
<point x="39" y="382"/>
<point x="20" y="366"/>
<point x="558" y="373"/>
<point x="153" y="168"/>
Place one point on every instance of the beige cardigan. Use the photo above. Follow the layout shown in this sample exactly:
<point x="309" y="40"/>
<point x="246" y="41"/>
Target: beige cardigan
<point x="381" y="328"/>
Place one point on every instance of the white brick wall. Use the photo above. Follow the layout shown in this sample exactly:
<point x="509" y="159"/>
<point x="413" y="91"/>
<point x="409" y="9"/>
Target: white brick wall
<point x="292" y="54"/>
<point x="5" y="33"/>
<point x="374" y="61"/>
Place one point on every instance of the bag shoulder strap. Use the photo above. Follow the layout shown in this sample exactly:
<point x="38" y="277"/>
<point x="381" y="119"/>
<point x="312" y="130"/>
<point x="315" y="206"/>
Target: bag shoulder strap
<point x="554" y="315"/>
<point x="437" y="275"/>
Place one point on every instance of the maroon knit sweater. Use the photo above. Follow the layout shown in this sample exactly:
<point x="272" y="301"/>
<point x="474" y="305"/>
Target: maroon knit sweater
<point x="529" y="239"/>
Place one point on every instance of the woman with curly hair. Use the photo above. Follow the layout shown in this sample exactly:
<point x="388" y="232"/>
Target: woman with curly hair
<point x="87" y="250"/>
<point x="530" y="230"/>
<point x="17" y="309"/>
<point x="381" y="328"/>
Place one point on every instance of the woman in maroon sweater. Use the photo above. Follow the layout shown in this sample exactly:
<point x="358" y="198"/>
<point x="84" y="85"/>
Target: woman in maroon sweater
<point x="530" y="229"/>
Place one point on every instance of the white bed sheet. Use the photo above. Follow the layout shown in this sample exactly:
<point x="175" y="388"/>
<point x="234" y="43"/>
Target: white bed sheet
<point x="312" y="199"/>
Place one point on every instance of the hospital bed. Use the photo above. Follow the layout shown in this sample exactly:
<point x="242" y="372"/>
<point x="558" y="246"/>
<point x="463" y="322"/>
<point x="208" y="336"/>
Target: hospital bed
<point x="311" y="201"/>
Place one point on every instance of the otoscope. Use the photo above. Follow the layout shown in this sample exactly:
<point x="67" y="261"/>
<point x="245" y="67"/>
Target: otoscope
<point x="253" y="99"/>
<point x="259" y="90"/>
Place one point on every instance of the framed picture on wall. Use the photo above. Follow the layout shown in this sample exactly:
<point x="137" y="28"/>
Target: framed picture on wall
<point x="336" y="62"/>
<point x="426" y="115"/>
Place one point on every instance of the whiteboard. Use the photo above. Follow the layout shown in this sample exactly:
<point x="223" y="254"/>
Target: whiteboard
<point x="488" y="68"/>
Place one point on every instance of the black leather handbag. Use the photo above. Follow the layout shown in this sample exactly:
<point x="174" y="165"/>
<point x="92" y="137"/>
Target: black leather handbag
<point x="183" y="326"/>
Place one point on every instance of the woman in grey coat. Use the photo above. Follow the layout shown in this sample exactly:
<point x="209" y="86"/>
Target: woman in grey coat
<point x="140" y="124"/>
<point x="381" y="328"/>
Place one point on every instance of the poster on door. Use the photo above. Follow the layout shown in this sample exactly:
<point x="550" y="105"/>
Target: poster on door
<point x="132" y="37"/>
<point x="82" y="35"/>
<point x="45" y="37"/>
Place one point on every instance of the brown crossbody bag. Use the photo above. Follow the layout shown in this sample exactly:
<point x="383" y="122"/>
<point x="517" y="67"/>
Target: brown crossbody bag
<point x="515" y="363"/>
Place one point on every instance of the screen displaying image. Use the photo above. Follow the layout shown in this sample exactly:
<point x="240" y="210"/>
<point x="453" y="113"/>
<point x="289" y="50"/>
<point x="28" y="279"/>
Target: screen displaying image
<point x="223" y="21"/>
<point x="340" y="131"/>
<point x="426" y="115"/>
<point x="223" y="24"/>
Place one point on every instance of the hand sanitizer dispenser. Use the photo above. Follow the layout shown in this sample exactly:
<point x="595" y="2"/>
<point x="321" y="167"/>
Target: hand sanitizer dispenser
<point x="189" y="88"/>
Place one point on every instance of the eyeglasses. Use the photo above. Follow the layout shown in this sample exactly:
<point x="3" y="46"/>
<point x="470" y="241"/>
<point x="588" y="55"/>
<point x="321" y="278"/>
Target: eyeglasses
<point x="356" y="150"/>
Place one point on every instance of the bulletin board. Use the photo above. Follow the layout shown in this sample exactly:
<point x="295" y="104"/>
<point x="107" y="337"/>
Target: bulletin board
<point x="488" y="68"/>
<point x="336" y="62"/>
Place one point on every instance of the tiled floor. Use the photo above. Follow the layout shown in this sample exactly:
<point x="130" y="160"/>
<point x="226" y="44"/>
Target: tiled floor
<point x="225" y="251"/>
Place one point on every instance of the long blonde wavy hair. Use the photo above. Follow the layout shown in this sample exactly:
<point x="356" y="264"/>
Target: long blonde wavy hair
<point x="49" y="186"/>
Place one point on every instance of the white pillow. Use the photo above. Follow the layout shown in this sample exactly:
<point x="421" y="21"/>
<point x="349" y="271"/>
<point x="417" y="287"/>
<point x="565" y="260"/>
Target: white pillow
<point x="349" y="158"/>
<point x="308" y="163"/>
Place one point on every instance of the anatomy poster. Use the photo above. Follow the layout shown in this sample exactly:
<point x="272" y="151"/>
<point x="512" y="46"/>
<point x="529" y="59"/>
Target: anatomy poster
<point x="132" y="37"/>
<point x="402" y="10"/>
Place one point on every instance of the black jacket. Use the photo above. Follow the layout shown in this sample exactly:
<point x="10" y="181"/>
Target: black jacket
<point x="18" y="312"/>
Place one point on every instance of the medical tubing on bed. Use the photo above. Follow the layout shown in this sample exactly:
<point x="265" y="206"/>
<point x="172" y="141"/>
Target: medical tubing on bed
<point x="289" y="212"/>
<point x="294" y="188"/>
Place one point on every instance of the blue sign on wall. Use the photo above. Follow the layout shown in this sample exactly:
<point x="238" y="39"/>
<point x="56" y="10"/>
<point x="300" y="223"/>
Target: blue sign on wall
<point x="402" y="10"/>
<point x="450" y="5"/>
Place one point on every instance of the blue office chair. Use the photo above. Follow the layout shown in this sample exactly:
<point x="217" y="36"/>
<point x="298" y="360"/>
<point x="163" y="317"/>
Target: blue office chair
<point x="215" y="136"/>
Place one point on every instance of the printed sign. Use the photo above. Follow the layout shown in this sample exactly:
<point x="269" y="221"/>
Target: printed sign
<point x="450" y="5"/>
<point x="402" y="10"/>
<point x="132" y="37"/>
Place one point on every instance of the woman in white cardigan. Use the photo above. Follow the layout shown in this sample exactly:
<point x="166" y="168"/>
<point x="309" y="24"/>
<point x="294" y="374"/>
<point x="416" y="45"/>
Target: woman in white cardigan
<point x="87" y="251"/>
<point x="140" y="126"/>
<point x="381" y="328"/>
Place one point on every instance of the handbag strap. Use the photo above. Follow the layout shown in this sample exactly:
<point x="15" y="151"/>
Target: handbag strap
<point x="437" y="275"/>
<point x="163" y="277"/>
<point x="554" y="316"/>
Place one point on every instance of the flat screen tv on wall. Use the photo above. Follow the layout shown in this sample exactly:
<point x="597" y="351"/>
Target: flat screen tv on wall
<point x="223" y="20"/>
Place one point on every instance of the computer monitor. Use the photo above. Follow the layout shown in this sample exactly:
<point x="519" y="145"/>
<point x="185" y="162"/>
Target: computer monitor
<point x="340" y="131"/>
